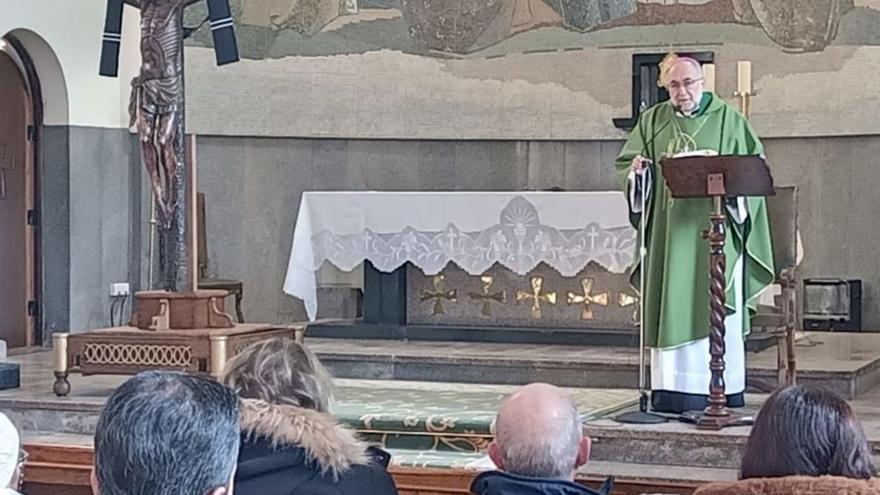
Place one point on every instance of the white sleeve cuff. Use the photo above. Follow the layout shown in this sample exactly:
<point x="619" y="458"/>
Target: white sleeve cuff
<point x="739" y="211"/>
<point x="635" y="193"/>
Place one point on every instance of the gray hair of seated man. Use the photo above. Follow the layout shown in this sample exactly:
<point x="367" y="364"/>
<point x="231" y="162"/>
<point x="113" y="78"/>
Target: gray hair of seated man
<point x="540" y="445"/>
<point x="281" y="371"/>
<point x="167" y="433"/>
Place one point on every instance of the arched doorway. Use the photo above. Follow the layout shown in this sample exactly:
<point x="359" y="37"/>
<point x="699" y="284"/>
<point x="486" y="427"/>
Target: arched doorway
<point x="18" y="243"/>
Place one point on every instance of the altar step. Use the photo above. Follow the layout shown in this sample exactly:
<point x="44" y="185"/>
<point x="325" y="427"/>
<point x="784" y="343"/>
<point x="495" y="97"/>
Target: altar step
<point x="450" y="425"/>
<point x="586" y="336"/>
<point x="846" y="363"/>
<point x="440" y="423"/>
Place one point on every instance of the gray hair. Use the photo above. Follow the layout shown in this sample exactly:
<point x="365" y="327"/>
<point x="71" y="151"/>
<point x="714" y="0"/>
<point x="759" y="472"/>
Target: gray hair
<point x="548" y="448"/>
<point x="281" y="371"/>
<point x="167" y="433"/>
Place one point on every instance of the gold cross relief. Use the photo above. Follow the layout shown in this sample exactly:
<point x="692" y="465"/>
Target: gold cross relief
<point x="625" y="300"/>
<point x="486" y="296"/>
<point x="536" y="296"/>
<point x="587" y="298"/>
<point x="438" y="295"/>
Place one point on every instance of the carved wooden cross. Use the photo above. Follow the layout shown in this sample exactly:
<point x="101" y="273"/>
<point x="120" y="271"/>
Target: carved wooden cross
<point x="487" y="297"/>
<point x="157" y="111"/>
<point x="536" y="296"/>
<point x="587" y="298"/>
<point x="438" y="295"/>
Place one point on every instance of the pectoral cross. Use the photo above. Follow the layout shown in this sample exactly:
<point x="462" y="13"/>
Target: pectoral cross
<point x="587" y="298"/>
<point x="438" y="295"/>
<point x="625" y="300"/>
<point x="536" y="296"/>
<point x="487" y="297"/>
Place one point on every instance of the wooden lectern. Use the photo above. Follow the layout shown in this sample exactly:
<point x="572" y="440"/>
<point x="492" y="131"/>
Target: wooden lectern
<point x="717" y="177"/>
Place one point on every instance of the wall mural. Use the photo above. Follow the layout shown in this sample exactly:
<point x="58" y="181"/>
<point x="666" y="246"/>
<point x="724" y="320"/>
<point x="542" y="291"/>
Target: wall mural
<point x="277" y="28"/>
<point x="522" y="69"/>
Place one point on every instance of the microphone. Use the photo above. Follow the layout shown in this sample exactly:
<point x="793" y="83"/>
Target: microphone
<point x="649" y="142"/>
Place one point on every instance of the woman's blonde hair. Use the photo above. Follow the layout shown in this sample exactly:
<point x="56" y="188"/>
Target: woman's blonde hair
<point x="280" y="371"/>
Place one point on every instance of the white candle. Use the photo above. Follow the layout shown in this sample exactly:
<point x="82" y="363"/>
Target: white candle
<point x="744" y="77"/>
<point x="59" y="344"/>
<point x="709" y="77"/>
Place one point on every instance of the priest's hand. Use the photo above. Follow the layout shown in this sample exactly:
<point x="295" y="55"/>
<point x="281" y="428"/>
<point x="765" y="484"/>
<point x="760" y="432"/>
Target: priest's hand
<point x="640" y="163"/>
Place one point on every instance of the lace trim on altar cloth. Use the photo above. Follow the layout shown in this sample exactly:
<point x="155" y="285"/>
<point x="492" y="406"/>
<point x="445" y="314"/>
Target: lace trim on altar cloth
<point x="519" y="241"/>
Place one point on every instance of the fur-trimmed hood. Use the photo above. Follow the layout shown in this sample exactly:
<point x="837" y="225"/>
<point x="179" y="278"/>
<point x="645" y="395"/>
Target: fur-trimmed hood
<point x="333" y="448"/>
<point x="788" y="485"/>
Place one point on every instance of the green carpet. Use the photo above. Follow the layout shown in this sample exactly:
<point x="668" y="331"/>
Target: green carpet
<point x="444" y="417"/>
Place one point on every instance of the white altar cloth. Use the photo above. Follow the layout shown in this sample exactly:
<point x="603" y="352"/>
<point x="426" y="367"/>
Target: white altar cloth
<point x="474" y="230"/>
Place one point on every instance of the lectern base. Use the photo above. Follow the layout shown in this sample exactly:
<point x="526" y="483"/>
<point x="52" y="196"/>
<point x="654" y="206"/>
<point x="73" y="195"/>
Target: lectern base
<point x="704" y="421"/>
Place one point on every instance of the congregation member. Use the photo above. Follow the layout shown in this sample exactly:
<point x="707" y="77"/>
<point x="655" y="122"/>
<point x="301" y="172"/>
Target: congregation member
<point x="167" y="433"/>
<point x="539" y="446"/>
<point x="804" y="441"/>
<point x="12" y="458"/>
<point x="291" y="445"/>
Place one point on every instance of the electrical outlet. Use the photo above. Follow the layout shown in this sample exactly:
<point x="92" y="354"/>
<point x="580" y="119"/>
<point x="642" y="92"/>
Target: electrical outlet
<point x="119" y="289"/>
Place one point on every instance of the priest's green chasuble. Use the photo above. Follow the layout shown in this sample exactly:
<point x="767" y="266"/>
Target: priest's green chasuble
<point x="677" y="261"/>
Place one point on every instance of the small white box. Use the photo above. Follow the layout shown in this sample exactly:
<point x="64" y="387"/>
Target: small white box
<point x="119" y="289"/>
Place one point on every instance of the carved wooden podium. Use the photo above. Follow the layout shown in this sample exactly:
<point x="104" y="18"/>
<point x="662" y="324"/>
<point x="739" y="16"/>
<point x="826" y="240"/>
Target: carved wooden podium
<point x="717" y="177"/>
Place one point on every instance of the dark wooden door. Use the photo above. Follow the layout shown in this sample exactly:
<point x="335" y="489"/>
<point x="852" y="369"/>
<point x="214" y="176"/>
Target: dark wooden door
<point x="16" y="188"/>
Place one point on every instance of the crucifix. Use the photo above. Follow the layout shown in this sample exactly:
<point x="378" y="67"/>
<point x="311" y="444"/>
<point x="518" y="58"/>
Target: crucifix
<point x="157" y="111"/>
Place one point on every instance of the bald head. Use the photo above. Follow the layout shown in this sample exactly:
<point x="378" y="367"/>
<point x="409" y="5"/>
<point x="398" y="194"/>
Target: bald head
<point x="537" y="408"/>
<point x="538" y="434"/>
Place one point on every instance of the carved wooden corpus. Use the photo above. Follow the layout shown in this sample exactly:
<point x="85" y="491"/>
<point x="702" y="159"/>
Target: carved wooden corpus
<point x="156" y="109"/>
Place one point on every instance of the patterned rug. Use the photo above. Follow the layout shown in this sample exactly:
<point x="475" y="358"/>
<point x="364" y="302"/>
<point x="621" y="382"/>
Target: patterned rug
<point x="444" y="417"/>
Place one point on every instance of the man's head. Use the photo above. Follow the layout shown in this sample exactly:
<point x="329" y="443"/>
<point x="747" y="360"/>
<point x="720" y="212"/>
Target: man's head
<point x="164" y="433"/>
<point x="683" y="79"/>
<point x="538" y="433"/>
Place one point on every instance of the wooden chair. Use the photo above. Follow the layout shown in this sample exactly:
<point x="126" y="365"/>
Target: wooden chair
<point x="781" y="318"/>
<point x="235" y="287"/>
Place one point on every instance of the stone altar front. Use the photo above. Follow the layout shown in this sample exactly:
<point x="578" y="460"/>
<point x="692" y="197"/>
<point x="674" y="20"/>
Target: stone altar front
<point x="593" y="298"/>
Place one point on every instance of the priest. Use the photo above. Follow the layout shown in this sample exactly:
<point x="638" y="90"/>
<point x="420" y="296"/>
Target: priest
<point x="676" y="271"/>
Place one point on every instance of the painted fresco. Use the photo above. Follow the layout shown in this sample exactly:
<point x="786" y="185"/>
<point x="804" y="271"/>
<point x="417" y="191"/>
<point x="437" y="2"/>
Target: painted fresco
<point x="278" y="28"/>
<point x="523" y="69"/>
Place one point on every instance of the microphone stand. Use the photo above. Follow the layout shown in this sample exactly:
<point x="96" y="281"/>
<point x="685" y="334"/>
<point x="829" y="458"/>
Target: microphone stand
<point x="643" y="416"/>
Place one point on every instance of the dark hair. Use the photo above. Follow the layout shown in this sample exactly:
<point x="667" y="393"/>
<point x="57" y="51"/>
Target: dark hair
<point x="166" y="433"/>
<point x="806" y="431"/>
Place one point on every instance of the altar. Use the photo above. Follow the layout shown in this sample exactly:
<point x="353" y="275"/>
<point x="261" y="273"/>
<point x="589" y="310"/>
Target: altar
<point x="498" y="266"/>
